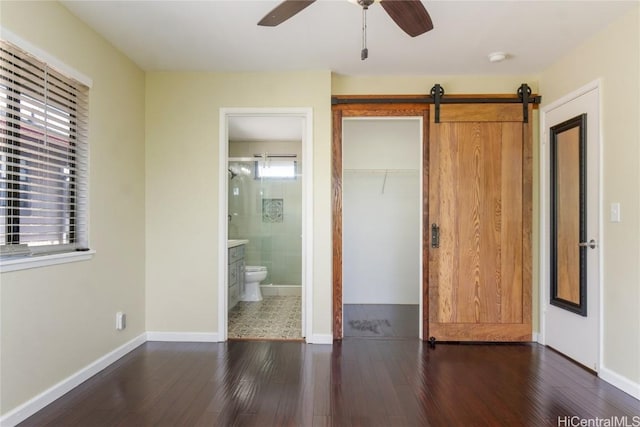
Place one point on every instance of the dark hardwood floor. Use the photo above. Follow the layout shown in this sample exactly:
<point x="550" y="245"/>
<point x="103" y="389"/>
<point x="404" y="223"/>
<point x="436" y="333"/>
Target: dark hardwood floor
<point x="356" y="382"/>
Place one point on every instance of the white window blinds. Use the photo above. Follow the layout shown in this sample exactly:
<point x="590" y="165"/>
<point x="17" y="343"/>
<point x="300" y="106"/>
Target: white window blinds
<point x="43" y="155"/>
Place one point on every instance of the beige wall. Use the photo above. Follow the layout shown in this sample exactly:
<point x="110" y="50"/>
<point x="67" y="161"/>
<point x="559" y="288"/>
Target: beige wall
<point x="614" y="56"/>
<point x="56" y="320"/>
<point x="182" y="176"/>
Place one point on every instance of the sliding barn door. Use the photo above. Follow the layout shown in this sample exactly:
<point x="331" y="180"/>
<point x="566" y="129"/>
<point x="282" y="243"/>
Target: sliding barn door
<point x="480" y="224"/>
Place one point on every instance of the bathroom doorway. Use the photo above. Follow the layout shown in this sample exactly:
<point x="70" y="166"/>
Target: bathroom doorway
<point x="265" y="218"/>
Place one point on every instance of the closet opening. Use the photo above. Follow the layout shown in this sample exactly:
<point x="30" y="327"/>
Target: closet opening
<point x="368" y="300"/>
<point x="381" y="243"/>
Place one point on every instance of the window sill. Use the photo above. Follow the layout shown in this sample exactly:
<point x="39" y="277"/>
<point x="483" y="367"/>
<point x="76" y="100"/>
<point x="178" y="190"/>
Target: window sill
<point x="35" y="261"/>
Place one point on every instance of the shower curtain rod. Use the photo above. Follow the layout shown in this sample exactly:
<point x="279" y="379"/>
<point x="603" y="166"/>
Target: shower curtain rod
<point x="241" y="159"/>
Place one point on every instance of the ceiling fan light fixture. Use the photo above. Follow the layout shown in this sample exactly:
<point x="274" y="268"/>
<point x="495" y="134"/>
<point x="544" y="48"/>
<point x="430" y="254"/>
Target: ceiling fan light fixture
<point x="497" y="56"/>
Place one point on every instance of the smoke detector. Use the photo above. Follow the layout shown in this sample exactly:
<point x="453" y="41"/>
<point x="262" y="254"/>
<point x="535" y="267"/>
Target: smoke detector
<point x="497" y="57"/>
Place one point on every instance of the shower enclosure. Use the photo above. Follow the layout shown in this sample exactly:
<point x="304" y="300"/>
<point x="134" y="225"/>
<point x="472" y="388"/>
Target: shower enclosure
<point x="265" y="207"/>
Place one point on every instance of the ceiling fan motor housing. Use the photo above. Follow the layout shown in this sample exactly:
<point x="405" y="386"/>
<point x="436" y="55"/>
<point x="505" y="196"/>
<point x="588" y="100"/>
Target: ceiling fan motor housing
<point x="365" y="3"/>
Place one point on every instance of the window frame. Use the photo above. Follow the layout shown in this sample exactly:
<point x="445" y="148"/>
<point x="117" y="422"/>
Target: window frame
<point x="37" y="256"/>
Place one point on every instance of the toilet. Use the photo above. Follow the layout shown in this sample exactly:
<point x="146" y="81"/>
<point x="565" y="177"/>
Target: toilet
<point x="253" y="275"/>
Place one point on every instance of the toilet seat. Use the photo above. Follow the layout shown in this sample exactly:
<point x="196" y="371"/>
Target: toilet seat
<point x="254" y="268"/>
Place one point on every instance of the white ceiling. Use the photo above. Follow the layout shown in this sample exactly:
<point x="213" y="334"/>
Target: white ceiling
<point x="222" y="35"/>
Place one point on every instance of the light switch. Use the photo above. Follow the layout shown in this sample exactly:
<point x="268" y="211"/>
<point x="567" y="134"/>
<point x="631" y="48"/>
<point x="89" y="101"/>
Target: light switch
<point x="615" y="212"/>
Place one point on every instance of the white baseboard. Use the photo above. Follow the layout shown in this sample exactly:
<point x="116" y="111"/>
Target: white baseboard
<point x="620" y="382"/>
<point x="320" y="339"/>
<point x="183" y="336"/>
<point x="32" y="406"/>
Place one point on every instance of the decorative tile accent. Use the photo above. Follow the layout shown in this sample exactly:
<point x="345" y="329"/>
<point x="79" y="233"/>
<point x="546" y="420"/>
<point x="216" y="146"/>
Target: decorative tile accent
<point x="275" y="317"/>
<point x="272" y="210"/>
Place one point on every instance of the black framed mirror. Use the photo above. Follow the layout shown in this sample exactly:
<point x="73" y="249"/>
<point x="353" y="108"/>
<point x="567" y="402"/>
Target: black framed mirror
<point x="568" y="215"/>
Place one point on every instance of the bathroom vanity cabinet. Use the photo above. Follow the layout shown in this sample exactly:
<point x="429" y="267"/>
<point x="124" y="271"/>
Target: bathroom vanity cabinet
<point x="236" y="274"/>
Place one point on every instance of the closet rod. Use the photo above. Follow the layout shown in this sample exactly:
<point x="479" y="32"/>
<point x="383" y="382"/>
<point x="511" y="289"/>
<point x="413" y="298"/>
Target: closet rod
<point x="381" y="170"/>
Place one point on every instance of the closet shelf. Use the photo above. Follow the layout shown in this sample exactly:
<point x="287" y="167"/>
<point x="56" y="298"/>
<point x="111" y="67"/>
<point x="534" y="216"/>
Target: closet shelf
<point x="381" y="171"/>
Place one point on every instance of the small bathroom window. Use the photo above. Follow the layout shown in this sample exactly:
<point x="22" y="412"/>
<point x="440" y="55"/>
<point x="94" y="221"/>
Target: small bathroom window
<point x="276" y="168"/>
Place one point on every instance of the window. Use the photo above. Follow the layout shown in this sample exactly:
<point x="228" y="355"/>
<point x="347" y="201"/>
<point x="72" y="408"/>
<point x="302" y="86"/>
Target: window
<point x="43" y="156"/>
<point x="274" y="167"/>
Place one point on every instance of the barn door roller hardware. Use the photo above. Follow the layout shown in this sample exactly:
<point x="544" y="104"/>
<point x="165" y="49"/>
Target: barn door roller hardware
<point x="437" y="93"/>
<point x="437" y="97"/>
<point x="524" y="89"/>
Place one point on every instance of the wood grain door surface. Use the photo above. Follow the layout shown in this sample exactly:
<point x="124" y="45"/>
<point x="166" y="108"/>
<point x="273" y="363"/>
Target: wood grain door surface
<point x="480" y="198"/>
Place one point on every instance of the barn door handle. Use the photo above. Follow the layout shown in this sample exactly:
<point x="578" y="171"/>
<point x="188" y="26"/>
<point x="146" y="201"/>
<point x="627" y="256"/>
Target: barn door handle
<point x="435" y="236"/>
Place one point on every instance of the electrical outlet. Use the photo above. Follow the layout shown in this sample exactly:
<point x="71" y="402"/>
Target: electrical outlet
<point x="121" y="321"/>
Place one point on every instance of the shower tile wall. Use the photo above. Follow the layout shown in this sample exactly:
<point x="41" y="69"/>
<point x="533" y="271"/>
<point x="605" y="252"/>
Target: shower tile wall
<point x="273" y="244"/>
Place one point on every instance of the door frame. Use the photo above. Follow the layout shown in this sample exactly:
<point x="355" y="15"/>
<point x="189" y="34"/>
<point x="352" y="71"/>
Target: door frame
<point x="413" y="105"/>
<point x="544" y="248"/>
<point x="306" y="114"/>
<point x="383" y="110"/>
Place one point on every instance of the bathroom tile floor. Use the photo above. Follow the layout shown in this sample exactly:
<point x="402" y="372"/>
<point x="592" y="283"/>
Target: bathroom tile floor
<point x="275" y="317"/>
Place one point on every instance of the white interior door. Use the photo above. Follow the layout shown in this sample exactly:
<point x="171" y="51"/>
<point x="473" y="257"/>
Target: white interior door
<point x="570" y="237"/>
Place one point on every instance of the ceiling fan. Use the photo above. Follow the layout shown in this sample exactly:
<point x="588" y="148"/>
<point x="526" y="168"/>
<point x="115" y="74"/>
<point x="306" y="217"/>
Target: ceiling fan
<point x="410" y="15"/>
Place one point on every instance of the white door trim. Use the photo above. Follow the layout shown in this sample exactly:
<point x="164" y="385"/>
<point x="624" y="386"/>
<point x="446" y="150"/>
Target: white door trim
<point x="544" y="267"/>
<point x="307" y="210"/>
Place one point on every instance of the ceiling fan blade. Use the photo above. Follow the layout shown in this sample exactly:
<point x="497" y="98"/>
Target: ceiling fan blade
<point x="410" y="15"/>
<point x="284" y="11"/>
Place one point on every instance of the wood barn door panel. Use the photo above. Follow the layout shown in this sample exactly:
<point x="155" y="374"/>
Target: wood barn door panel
<point x="512" y="225"/>
<point x="476" y="198"/>
<point x="460" y="113"/>
<point x="489" y="332"/>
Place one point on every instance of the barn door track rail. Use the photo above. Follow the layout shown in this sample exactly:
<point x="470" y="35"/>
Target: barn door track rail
<point x="437" y="97"/>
